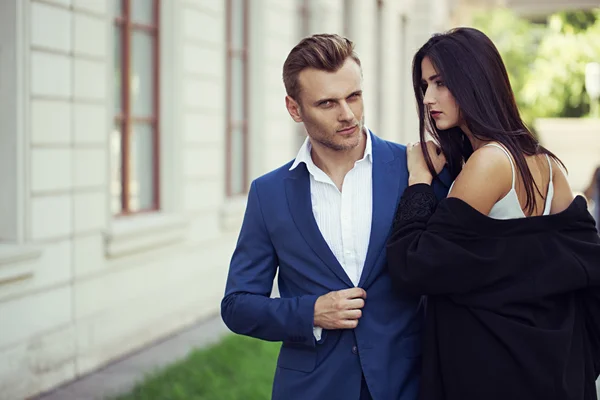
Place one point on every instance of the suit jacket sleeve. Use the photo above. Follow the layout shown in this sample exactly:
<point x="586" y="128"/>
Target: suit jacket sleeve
<point x="441" y="184"/>
<point x="247" y="307"/>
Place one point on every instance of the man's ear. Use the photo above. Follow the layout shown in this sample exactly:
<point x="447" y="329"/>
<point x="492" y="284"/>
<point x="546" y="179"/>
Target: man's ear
<point x="293" y="108"/>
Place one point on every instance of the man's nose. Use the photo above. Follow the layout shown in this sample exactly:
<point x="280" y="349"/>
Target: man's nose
<point x="346" y="113"/>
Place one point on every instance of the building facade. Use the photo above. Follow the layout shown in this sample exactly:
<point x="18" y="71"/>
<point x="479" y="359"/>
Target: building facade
<point x="129" y="133"/>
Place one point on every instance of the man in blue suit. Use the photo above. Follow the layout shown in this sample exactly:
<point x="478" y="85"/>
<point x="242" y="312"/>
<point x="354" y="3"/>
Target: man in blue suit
<point x="321" y="221"/>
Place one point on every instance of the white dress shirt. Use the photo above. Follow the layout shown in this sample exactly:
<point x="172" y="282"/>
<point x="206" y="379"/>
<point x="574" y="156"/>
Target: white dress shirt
<point x="343" y="217"/>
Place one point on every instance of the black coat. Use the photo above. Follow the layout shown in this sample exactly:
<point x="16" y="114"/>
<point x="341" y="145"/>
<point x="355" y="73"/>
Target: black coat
<point x="513" y="306"/>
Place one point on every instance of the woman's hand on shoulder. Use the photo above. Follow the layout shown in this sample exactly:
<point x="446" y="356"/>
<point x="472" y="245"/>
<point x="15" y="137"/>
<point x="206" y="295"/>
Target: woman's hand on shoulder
<point x="485" y="179"/>
<point x="417" y="166"/>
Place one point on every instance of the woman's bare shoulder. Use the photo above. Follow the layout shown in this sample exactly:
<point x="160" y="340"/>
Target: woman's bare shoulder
<point x="485" y="179"/>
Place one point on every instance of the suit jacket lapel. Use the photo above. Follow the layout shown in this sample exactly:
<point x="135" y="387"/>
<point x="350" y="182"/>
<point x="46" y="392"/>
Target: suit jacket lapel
<point x="297" y="188"/>
<point x="389" y="179"/>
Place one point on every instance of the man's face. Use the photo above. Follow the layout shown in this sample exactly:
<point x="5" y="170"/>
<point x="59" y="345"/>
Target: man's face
<point x="331" y="106"/>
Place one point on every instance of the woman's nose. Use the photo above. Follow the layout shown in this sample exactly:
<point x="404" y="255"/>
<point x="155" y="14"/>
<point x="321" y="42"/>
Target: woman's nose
<point x="428" y="99"/>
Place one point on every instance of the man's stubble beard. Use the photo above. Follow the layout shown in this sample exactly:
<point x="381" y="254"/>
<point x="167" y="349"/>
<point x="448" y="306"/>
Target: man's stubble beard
<point x="330" y="144"/>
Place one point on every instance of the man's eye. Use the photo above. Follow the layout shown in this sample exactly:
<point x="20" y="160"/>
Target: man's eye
<point x="325" y="104"/>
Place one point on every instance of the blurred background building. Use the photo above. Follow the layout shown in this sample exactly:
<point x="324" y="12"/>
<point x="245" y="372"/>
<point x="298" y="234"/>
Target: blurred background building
<point x="131" y="129"/>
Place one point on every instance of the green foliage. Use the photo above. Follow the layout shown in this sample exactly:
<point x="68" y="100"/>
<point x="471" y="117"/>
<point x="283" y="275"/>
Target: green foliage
<point x="546" y="63"/>
<point x="555" y="85"/>
<point x="238" y="368"/>
<point x="574" y="21"/>
<point x="516" y="39"/>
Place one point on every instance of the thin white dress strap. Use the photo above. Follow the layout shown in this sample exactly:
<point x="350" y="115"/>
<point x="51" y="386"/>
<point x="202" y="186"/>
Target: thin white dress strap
<point x="512" y="166"/>
<point x="549" y="165"/>
<point x="550" y="193"/>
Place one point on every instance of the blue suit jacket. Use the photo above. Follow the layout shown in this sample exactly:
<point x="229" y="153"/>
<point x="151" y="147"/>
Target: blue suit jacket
<point x="279" y="232"/>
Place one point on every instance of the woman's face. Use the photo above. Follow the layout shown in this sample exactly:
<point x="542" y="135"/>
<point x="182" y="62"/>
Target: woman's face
<point x="438" y="100"/>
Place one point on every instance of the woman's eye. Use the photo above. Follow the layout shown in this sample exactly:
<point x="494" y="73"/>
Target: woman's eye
<point x="439" y="83"/>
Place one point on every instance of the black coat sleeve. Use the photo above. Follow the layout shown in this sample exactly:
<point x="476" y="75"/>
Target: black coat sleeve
<point x="592" y="308"/>
<point x="430" y="253"/>
<point x="589" y="258"/>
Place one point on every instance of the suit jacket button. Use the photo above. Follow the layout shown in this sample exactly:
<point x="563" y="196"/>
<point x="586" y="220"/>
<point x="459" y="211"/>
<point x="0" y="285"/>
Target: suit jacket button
<point x="354" y="350"/>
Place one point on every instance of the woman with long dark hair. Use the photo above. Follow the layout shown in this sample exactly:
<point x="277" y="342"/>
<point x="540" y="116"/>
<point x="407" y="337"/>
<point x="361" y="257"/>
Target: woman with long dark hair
<point x="510" y="261"/>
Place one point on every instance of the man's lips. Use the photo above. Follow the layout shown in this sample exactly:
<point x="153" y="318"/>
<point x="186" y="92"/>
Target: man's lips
<point x="347" y="130"/>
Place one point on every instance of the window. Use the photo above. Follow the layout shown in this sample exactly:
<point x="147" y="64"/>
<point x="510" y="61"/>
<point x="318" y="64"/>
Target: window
<point x="406" y="118"/>
<point x="305" y="15"/>
<point x="12" y="141"/>
<point x="305" y="12"/>
<point x="237" y="97"/>
<point x="134" y="139"/>
<point x="347" y="19"/>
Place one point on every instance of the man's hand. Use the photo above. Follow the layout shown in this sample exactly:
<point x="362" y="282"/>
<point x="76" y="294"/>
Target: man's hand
<point x="340" y="309"/>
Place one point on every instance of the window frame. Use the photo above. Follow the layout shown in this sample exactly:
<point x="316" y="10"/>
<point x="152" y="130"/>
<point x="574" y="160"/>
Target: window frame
<point x="123" y="21"/>
<point x="230" y="123"/>
<point x="305" y="12"/>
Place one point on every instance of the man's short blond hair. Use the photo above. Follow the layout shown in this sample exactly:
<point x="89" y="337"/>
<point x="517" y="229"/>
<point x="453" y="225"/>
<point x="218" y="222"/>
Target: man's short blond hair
<point x="326" y="52"/>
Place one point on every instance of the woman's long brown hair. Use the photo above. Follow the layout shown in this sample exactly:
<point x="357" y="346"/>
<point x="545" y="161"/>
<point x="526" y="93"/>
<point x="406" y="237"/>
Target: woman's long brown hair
<point x="472" y="69"/>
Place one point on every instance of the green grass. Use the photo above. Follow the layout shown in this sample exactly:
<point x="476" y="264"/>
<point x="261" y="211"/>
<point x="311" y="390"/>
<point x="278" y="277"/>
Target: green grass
<point x="236" y="368"/>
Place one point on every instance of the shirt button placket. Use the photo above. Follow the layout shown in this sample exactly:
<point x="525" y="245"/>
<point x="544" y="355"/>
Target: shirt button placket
<point x="346" y="223"/>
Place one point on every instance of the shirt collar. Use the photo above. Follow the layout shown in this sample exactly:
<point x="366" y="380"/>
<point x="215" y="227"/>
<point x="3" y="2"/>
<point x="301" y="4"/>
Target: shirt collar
<point x="304" y="156"/>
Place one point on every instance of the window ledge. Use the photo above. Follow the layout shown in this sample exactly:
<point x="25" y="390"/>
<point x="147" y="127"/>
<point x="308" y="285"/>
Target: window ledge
<point x="232" y="213"/>
<point x="140" y="233"/>
<point x="17" y="262"/>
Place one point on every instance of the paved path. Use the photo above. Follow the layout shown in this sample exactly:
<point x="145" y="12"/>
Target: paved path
<point x="120" y="376"/>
